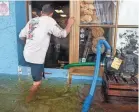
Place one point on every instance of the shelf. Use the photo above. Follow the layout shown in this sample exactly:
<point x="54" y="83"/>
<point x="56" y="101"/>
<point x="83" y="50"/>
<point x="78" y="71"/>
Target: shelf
<point x="97" y="25"/>
<point x="127" y="26"/>
<point x="109" y="26"/>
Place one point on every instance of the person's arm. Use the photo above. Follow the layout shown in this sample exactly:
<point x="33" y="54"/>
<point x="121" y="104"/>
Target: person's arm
<point x="69" y="25"/>
<point x="23" y="33"/>
<point x="57" y="31"/>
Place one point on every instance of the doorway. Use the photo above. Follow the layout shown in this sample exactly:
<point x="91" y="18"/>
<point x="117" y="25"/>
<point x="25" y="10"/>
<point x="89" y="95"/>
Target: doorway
<point x="58" y="52"/>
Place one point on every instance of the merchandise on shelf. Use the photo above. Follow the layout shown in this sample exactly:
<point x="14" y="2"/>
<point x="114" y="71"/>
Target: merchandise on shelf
<point x="97" y="34"/>
<point x="88" y="12"/>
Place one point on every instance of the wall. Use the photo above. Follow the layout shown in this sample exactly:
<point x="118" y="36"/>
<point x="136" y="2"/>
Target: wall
<point x="11" y="46"/>
<point x="8" y="42"/>
<point x="20" y="8"/>
<point x="10" y="27"/>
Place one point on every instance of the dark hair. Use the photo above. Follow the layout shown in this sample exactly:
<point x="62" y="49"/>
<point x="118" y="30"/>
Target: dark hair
<point x="47" y="9"/>
<point x="38" y="12"/>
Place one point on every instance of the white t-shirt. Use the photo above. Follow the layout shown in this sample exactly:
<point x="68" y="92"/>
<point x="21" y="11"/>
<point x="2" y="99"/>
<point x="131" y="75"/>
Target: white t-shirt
<point x="37" y="33"/>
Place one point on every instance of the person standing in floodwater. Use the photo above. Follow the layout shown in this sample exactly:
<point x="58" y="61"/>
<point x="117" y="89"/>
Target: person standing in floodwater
<point x="37" y="34"/>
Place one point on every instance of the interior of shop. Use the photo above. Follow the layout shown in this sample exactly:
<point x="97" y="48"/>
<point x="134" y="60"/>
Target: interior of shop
<point x="58" y="51"/>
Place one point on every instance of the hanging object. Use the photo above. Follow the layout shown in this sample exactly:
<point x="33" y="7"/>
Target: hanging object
<point x="4" y="8"/>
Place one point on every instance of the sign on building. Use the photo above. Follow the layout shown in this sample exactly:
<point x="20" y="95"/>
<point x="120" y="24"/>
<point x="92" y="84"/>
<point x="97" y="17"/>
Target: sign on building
<point x="4" y="8"/>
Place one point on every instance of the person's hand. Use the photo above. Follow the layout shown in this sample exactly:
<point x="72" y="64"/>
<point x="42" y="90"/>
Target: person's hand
<point x="71" y="21"/>
<point x="69" y="25"/>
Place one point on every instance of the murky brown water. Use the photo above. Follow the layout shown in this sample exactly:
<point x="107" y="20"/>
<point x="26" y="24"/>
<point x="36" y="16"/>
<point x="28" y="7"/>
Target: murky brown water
<point x="53" y="96"/>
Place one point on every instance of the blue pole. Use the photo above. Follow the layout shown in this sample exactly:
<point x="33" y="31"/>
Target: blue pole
<point x="90" y="97"/>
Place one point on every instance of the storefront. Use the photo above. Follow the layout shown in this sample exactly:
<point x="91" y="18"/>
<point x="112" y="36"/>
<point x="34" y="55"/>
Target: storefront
<point x="115" y="22"/>
<point x="122" y="17"/>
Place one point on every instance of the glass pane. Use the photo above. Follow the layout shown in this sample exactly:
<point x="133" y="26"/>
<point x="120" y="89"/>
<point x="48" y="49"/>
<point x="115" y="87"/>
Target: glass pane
<point x="128" y="40"/>
<point x="128" y="12"/>
<point x="88" y="41"/>
<point x="100" y="12"/>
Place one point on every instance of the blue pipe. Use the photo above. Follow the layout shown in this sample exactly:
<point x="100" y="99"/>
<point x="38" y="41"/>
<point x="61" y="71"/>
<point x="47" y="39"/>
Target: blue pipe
<point x="90" y="97"/>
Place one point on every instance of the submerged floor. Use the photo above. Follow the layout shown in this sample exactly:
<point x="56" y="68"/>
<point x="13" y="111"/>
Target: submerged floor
<point x="52" y="97"/>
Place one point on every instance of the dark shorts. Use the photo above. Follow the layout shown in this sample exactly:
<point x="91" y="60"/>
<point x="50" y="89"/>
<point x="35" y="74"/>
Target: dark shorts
<point x="36" y="71"/>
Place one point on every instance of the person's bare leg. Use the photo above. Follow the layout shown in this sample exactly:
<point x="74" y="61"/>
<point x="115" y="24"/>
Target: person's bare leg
<point x="33" y="91"/>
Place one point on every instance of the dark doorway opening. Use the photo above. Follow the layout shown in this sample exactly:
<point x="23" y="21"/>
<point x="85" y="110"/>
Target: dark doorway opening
<point x="58" y="51"/>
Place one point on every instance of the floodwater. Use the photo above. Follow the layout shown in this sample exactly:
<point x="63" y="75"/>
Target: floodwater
<point x="53" y="96"/>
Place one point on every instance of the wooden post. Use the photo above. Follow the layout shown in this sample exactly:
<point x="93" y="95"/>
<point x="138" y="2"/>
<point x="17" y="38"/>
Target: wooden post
<point x="27" y="11"/>
<point x="74" y="35"/>
<point x="116" y="24"/>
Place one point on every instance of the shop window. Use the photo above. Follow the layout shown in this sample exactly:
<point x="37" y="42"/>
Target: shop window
<point x="128" y="40"/>
<point x="128" y="12"/>
<point x="88" y="42"/>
